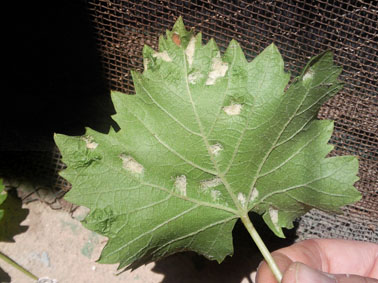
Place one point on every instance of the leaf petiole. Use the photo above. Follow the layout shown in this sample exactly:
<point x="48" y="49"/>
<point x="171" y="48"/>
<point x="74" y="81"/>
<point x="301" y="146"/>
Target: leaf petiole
<point x="263" y="249"/>
<point x="17" y="266"/>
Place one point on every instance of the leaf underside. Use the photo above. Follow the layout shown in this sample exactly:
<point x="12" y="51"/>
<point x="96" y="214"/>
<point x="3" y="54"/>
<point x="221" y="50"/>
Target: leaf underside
<point x="206" y="139"/>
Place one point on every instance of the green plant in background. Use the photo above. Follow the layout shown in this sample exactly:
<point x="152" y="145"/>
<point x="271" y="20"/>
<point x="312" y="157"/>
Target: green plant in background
<point x="3" y="256"/>
<point x="3" y="196"/>
<point x="205" y="140"/>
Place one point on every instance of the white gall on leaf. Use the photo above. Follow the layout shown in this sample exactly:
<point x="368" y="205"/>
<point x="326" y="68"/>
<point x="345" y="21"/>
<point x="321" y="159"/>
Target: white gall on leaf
<point x="241" y="198"/>
<point x="218" y="70"/>
<point x="190" y="49"/>
<point x="131" y="165"/>
<point x="89" y="142"/>
<point x="163" y="56"/>
<point x="215" y="149"/>
<point x="233" y="109"/>
<point x="211" y="183"/>
<point x="180" y="184"/>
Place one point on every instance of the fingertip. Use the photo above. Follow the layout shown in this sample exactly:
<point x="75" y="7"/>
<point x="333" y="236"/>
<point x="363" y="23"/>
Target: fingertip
<point x="265" y="275"/>
<point x="290" y="275"/>
<point x="300" y="273"/>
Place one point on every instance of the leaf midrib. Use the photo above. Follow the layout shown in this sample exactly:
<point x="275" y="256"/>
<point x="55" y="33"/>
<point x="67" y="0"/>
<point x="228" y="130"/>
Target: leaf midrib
<point x="240" y="209"/>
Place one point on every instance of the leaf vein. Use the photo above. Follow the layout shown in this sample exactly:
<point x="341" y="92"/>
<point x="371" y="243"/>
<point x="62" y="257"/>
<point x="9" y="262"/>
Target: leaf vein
<point x="153" y="229"/>
<point x="194" y="233"/>
<point x="164" y="110"/>
<point x="290" y="157"/>
<point x="172" y="150"/>
<point x="294" y="187"/>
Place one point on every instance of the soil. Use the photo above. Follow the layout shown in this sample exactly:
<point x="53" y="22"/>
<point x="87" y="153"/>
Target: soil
<point x="56" y="246"/>
<point x="53" y="244"/>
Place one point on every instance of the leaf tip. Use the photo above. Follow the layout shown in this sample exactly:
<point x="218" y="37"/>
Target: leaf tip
<point x="179" y="35"/>
<point x="179" y="24"/>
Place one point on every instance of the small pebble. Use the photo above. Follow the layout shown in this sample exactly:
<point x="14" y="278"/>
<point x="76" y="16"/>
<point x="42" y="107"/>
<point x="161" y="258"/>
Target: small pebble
<point x="47" y="280"/>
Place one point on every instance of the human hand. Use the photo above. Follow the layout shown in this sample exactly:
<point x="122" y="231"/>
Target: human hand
<point x="324" y="261"/>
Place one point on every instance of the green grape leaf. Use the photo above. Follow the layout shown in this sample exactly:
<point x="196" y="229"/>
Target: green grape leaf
<point x="3" y="196"/>
<point x="207" y="138"/>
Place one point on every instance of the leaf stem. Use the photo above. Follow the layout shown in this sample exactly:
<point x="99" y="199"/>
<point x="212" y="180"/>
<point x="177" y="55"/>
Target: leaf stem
<point x="261" y="245"/>
<point x="17" y="266"/>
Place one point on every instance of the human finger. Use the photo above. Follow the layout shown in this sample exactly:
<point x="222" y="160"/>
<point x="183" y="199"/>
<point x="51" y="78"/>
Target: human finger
<point x="327" y="255"/>
<point x="301" y="273"/>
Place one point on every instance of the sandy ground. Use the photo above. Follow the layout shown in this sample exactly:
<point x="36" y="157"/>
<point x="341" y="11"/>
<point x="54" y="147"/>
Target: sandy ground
<point x="56" y="245"/>
<point x="53" y="244"/>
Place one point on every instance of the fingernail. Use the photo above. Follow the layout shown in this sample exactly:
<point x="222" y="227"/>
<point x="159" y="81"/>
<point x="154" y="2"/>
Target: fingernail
<point x="309" y="275"/>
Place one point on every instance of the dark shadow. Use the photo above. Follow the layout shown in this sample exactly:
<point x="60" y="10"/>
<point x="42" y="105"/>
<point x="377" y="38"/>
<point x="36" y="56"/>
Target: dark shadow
<point x="4" y="277"/>
<point x="53" y="82"/>
<point x="37" y="168"/>
<point x="14" y="214"/>
<point x="190" y="267"/>
<point x="54" y="76"/>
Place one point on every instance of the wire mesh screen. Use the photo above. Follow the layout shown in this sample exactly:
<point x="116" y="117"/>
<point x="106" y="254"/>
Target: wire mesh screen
<point x="69" y="93"/>
<point x="300" y="29"/>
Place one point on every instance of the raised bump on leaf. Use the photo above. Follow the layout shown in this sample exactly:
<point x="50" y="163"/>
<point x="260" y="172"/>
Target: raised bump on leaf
<point x="131" y="165"/>
<point x="180" y="184"/>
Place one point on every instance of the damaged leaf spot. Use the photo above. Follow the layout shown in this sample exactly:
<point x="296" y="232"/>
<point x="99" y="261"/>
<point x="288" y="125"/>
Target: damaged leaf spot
<point x="190" y="49"/>
<point x="131" y="165"/>
<point x="176" y="39"/>
<point x="273" y="213"/>
<point x="218" y="70"/>
<point x="233" y="109"/>
<point x="146" y="61"/>
<point x="241" y="198"/>
<point x="215" y="195"/>
<point x="254" y="195"/>
<point x="308" y="75"/>
<point x="89" y="142"/>
<point x="163" y="56"/>
<point x="211" y="183"/>
<point x="193" y="77"/>
<point x="180" y="184"/>
<point x="216" y="149"/>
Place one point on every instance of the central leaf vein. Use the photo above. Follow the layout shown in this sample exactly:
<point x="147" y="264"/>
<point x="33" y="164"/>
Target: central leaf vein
<point x="206" y="142"/>
<point x="162" y="108"/>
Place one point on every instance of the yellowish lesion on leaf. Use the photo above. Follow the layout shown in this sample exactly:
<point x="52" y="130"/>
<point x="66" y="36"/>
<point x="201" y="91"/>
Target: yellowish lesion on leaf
<point x="146" y="61"/>
<point x="206" y="184"/>
<point x="163" y="56"/>
<point x="215" y="149"/>
<point x="273" y="213"/>
<point x="308" y="75"/>
<point x="194" y="77"/>
<point x="89" y="142"/>
<point x="190" y="49"/>
<point x="215" y="195"/>
<point x="242" y="199"/>
<point x="131" y="165"/>
<point x="254" y="195"/>
<point x="180" y="184"/>
<point x="218" y="70"/>
<point x="233" y="109"/>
